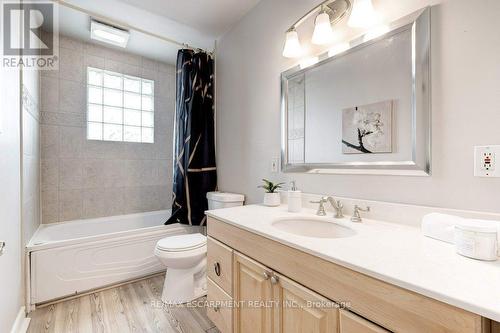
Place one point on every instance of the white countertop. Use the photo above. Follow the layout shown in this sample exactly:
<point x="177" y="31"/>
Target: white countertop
<point x="394" y="253"/>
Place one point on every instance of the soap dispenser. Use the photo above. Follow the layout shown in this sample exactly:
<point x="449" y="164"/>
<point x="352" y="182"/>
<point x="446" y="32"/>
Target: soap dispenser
<point x="294" y="199"/>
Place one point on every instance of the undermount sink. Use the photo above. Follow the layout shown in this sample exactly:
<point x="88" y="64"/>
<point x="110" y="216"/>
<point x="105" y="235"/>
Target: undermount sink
<point x="311" y="227"/>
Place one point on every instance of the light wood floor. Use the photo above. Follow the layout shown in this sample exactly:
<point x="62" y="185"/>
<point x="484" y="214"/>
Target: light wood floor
<point x="134" y="307"/>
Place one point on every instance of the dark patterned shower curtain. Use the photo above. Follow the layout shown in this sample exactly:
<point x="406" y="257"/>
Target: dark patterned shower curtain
<point x="195" y="171"/>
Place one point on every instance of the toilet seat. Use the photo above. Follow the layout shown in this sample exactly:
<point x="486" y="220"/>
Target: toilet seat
<point x="182" y="243"/>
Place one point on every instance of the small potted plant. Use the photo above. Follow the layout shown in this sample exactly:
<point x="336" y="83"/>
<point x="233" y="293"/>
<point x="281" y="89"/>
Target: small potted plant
<point x="271" y="197"/>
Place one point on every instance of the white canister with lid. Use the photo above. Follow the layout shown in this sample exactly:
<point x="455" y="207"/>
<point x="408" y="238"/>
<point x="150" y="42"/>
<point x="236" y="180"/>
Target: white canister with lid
<point x="477" y="242"/>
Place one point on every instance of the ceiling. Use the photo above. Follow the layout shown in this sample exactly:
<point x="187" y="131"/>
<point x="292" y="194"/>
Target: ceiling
<point x="197" y="23"/>
<point x="214" y="17"/>
<point x="76" y="24"/>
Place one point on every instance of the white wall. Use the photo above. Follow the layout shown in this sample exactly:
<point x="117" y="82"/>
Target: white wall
<point x="465" y="92"/>
<point x="10" y="198"/>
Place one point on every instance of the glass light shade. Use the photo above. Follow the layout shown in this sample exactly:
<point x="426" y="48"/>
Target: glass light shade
<point x="292" y="47"/>
<point x="323" y="33"/>
<point x="363" y="15"/>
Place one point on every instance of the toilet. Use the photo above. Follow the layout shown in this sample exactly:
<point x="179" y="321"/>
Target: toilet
<point x="185" y="257"/>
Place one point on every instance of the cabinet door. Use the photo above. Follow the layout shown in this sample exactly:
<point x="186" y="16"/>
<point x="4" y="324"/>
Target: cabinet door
<point x="252" y="292"/>
<point x="351" y="323"/>
<point x="302" y="310"/>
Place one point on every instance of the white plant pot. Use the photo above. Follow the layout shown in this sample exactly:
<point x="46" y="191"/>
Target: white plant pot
<point x="272" y="199"/>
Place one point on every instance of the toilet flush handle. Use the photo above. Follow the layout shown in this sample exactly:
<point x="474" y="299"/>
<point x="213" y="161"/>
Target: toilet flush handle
<point x="217" y="268"/>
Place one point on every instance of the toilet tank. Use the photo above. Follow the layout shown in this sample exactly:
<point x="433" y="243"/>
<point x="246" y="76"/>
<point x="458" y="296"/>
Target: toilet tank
<point x="218" y="200"/>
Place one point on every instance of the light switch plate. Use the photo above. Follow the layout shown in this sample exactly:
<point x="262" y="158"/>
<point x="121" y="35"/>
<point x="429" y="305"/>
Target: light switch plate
<point x="485" y="158"/>
<point x="275" y="164"/>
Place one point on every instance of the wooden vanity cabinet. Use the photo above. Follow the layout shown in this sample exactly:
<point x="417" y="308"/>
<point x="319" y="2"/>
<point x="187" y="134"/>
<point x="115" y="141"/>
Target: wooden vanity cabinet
<point x="253" y="294"/>
<point x="267" y="274"/>
<point x="299" y="309"/>
<point x="270" y="302"/>
<point x="352" y="323"/>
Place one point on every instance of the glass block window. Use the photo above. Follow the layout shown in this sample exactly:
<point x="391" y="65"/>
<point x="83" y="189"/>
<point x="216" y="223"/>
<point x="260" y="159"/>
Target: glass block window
<point x="119" y="107"/>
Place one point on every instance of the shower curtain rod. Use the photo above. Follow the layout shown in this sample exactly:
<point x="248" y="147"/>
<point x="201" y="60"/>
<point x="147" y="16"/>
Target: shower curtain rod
<point x="130" y="27"/>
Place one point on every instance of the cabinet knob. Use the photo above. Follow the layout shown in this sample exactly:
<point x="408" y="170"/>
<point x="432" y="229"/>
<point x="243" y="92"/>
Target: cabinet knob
<point x="217" y="268"/>
<point x="216" y="308"/>
<point x="275" y="279"/>
<point x="266" y="275"/>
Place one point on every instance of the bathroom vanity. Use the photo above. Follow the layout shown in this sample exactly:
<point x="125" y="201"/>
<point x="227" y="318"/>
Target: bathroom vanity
<point x="379" y="277"/>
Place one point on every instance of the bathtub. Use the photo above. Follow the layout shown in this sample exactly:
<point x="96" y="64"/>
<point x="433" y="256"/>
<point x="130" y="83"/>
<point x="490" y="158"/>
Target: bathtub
<point x="75" y="257"/>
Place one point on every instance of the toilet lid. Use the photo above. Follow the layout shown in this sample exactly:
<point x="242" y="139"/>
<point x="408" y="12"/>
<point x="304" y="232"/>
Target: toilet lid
<point x="182" y="242"/>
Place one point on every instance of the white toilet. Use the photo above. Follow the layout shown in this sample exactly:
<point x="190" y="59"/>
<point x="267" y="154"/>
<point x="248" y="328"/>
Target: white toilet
<point x="185" y="257"/>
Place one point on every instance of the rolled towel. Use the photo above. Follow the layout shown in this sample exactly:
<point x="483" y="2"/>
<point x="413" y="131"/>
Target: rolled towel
<point x="440" y="226"/>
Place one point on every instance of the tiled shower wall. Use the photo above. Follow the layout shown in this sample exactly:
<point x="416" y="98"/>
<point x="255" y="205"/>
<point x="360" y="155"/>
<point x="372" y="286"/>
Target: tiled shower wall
<point x="85" y="179"/>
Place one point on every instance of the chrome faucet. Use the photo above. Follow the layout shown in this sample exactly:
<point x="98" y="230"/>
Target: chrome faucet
<point x="338" y="206"/>
<point x="321" y="209"/>
<point x="356" y="217"/>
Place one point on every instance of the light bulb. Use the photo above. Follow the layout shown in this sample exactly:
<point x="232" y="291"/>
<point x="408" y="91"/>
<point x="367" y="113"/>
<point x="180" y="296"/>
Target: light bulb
<point x="323" y="33"/>
<point x="363" y="15"/>
<point x="292" y="47"/>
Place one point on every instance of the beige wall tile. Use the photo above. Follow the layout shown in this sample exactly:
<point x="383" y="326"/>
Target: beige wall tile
<point x="71" y="64"/>
<point x="70" y="174"/>
<point x="49" y="141"/>
<point x="120" y="67"/>
<point x="93" y="61"/>
<point x="50" y="94"/>
<point x="71" y="141"/>
<point x="50" y="206"/>
<point x="70" y="205"/>
<point x="71" y="43"/>
<point x="82" y="178"/>
<point x="72" y="97"/>
<point x="50" y="173"/>
<point x="103" y="202"/>
<point x="123" y="57"/>
<point x="149" y="64"/>
<point x="63" y="119"/>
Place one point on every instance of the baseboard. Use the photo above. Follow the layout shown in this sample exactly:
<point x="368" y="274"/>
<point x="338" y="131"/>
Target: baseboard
<point x="22" y="323"/>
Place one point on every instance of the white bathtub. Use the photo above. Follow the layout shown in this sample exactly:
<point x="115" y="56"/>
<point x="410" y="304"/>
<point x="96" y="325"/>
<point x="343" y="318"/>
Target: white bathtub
<point x="73" y="257"/>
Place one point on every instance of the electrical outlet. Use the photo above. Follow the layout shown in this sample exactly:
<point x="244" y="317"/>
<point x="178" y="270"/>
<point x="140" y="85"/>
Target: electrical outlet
<point x="275" y="164"/>
<point x="485" y="161"/>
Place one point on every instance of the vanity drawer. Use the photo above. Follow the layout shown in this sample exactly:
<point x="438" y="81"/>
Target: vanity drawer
<point x="220" y="264"/>
<point x="219" y="308"/>
<point x="352" y="323"/>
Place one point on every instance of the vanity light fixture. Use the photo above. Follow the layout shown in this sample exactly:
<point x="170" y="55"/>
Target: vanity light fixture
<point x="323" y="33"/>
<point x="330" y="13"/>
<point x="363" y="15"/>
<point x="108" y="34"/>
<point x="292" y="47"/>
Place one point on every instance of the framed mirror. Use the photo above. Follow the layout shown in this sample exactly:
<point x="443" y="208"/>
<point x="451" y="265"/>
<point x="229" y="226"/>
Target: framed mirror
<point x="366" y="110"/>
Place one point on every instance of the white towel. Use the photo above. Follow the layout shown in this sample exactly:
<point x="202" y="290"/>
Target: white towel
<point x="440" y="226"/>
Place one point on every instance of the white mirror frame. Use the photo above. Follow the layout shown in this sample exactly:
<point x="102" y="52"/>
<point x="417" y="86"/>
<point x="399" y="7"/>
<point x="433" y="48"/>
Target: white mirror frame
<point x="420" y="164"/>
